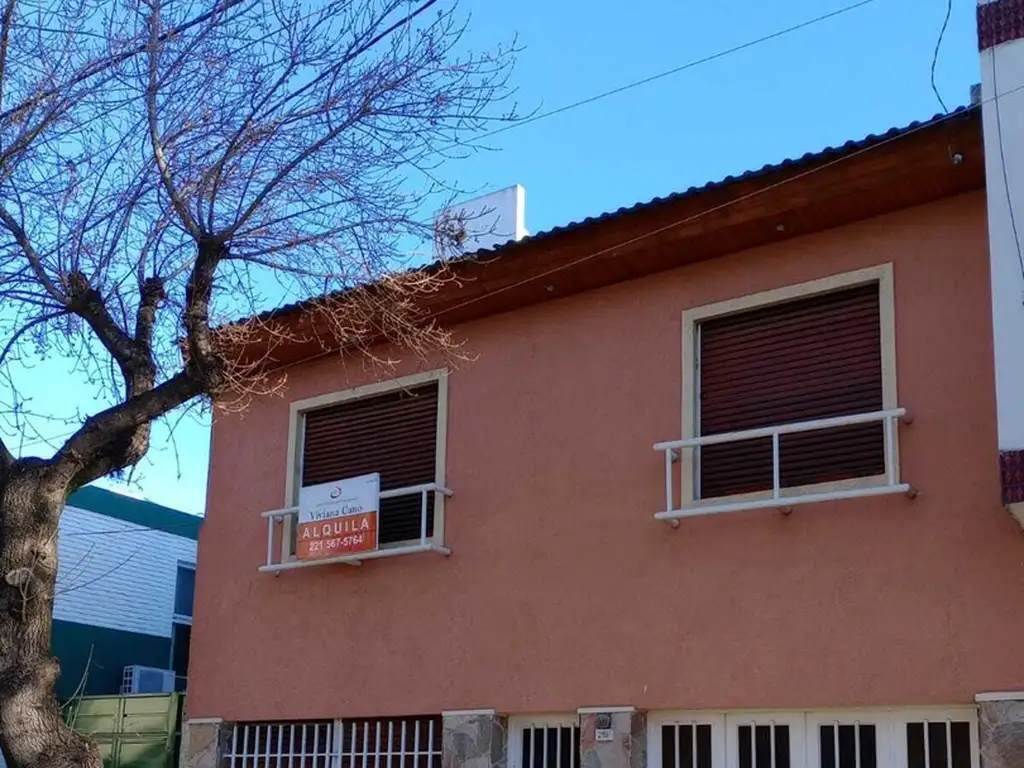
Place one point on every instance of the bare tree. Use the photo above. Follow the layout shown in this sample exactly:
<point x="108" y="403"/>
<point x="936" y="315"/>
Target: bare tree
<point x="166" y="165"/>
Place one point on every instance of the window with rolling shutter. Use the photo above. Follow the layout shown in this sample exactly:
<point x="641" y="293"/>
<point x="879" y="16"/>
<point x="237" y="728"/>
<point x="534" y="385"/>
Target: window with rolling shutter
<point x="394" y="434"/>
<point x="800" y="360"/>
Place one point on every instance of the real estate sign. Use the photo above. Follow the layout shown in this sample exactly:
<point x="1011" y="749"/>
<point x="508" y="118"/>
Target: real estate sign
<point x="338" y="518"/>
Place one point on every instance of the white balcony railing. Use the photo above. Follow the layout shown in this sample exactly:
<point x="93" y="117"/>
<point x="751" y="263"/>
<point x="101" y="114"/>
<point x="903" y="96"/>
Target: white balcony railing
<point x="889" y="483"/>
<point x="276" y="517"/>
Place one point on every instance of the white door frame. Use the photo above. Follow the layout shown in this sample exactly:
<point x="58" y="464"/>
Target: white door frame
<point x="656" y="721"/>
<point x="885" y="744"/>
<point x="794" y="720"/>
<point x="519" y="723"/>
<point x="890" y="731"/>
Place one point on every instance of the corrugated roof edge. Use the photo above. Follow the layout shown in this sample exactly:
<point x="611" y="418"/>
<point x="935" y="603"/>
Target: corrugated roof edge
<point x="144" y="513"/>
<point x="795" y="163"/>
<point x="792" y="162"/>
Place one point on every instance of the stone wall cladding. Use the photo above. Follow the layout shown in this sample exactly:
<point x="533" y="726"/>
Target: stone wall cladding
<point x="1001" y="726"/>
<point x="204" y="743"/>
<point x="628" y="747"/>
<point x="475" y="740"/>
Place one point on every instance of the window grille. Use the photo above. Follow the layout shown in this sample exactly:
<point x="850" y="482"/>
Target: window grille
<point x="400" y="742"/>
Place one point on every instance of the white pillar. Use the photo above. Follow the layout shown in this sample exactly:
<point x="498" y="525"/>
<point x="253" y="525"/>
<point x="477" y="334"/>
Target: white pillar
<point x="1001" y="41"/>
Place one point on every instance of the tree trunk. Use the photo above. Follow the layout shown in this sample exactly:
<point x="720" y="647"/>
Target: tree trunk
<point x="32" y="732"/>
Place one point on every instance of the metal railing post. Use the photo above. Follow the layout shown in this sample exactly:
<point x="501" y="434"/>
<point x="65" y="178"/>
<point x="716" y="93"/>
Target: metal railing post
<point x="668" y="479"/>
<point x="270" y="540"/>
<point x="890" y="450"/>
<point x="423" y="517"/>
<point x="884" y="483"/>
<point x="776" y="471"/>
<point x="425" y="543"/>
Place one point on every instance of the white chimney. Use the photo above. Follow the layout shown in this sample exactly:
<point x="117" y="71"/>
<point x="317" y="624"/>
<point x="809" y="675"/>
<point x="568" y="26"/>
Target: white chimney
<point x="1001" y="42"/>
<point x="481" y="223"/>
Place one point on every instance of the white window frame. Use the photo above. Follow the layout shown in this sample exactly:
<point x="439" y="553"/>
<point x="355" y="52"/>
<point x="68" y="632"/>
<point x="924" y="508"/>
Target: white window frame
<point x="797" y="734"/>
<point x="890" y="725"/>
<point x="883" y="721"/>
<point x="519" y="723"/>
<point x="297" y="411"/>
<point x="180" y="618"/>
<point x="900" y="718"/>
<point x="692" y="318"/>
<point x="656" y="720"/>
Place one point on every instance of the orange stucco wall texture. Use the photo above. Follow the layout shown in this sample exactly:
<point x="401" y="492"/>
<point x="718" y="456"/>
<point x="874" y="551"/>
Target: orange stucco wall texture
<point x="563" y="591"/>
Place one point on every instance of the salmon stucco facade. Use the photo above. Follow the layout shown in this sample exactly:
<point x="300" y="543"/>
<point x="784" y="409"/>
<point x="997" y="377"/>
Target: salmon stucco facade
<point x="562" y="590"/>
<point x="724" y="480"/>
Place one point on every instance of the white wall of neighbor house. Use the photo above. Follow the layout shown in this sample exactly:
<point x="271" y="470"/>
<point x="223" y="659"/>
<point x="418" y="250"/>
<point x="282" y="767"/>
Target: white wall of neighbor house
<point x="116" y="574"/>
<point x="1002" y="91"/>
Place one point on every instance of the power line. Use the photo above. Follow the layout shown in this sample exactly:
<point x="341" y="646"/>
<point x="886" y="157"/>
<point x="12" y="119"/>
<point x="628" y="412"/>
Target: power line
<point x="713" y="209"/>
<point x="50" y="441"/>
<point x="652" y="78"/>
<point x="651" y="233"/>
<point x="678" y="69"/>
<point x="1002" y="160"/>
<point x="935" y="56"/>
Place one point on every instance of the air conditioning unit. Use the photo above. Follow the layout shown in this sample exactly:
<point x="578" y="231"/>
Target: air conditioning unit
<point x="137" y="679"/>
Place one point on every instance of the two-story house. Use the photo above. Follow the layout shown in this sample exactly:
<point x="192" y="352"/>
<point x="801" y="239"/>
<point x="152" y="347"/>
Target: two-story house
<point x="728" y="480"/>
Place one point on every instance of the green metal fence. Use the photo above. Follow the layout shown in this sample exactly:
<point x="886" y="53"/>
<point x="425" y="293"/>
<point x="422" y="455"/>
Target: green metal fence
<point x="142" y="731"/>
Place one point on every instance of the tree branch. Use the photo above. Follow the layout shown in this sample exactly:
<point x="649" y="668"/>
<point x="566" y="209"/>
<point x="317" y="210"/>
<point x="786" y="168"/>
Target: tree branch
<point x="291" y="165"/>
<point x="86" y="302"/>
<point x="5" y="37"/>
<point x="355" y="52"/>
<point x="6" y="457"/>
<point x="145" y="318"/>
<point x="117" y="437"/>
<point x="330" y="72"/>
<point x="163" y="164"/>
<point x="21" y="238"/>
<point x="203" y="361"/>
<point x="26" y="328"/>
<point x="112" y="61"/>
<point x="159" y="157"/>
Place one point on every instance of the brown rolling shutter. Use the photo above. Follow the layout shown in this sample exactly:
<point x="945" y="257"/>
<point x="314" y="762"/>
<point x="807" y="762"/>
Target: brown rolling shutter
<point x="807" y="359"/>
<point x="394" y="434"/>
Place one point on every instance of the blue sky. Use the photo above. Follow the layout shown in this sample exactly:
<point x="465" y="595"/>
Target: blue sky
<point x="859" y="73"/>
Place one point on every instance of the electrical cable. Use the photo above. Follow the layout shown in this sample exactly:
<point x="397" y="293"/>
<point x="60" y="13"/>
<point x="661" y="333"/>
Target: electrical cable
<point x="676" y="70"/>
<point x="935" y="56"/>
<point x="713" y="209"/>
<point x="1002" y="161"/>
